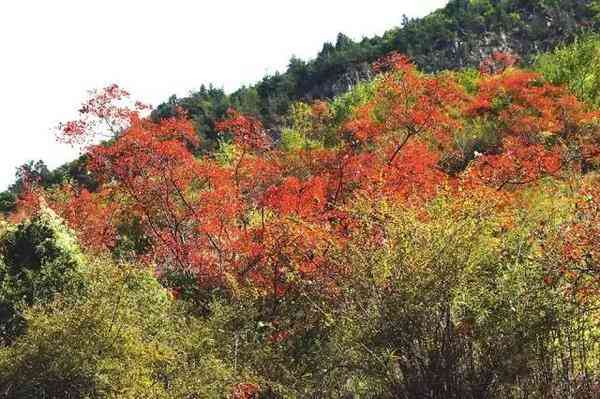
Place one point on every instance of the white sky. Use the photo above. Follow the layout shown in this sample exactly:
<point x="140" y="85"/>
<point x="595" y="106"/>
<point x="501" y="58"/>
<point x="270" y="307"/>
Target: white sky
<point x="52" y="52"/>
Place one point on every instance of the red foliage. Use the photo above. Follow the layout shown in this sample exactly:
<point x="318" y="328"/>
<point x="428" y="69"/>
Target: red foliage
<point x="524" y="104"/>
<point x="497" y="62"/>
<point x="304" y="199"/>
<point x="90" y="216"/>
<point x="28" y="203"/>
<point x="245" y="390"/>
<point x="106" y="109"/>
<point x="518" y="163"/>
<point x="272" y="215"/>
<point x="537" y="124"/>
<point x="363" y="128"/>
<point x="414" y="172"/>
<point x="409" y="105"/>
<point x="392" y="62"/>
<point x="248" y="132"/>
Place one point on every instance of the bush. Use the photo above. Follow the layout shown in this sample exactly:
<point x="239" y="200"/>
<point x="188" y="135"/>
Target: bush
<point x="126" y="338"/>
<point x="577" y="66"/>
<point x="448" y="302"/>
<point x="38" y="258"/>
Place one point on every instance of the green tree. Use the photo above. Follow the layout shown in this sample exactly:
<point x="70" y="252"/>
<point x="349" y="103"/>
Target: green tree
<point x="125" y="338"/>
<point x="39" y="258"/>
<point x="577" y="66"/>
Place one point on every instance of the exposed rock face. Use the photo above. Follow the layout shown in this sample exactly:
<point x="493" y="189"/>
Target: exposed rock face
<point x="354" y="74"/>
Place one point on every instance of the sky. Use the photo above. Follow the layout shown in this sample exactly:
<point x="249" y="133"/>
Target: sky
<point x="53" y="52"/>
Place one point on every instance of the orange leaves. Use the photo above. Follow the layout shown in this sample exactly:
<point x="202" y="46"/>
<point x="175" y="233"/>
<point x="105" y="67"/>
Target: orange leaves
<point x="479" y="106"/>
<point x="247" y="131"/>
<point x="542" y="127"/>
<point x="410" y="116"/>
<point x="270" y="218"/>
<point x="177" y="128"/>
<point x="414" y="172"/>
<point x="526" y="105"/>
<point x="245" y="391"/>
<point x="409" y="104"/>
<point x="518" y="163"/>
<point x="320" y="110"/>
<point x="90" y="216"/>
<point x="145" y="149"/>
<point x="304" y="199"/>
<point x="393" y="62"/>
<point x="498" y="62"/>
<point x="150" y="170"/>
<point x="363" y="128"/>
<point x="28" y="202"/>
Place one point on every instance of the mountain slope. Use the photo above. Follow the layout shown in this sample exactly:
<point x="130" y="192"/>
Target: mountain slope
<point x="457" y="36"/>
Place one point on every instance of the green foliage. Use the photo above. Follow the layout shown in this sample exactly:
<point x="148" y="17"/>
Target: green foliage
<point x="283" y="343"/>
<point x="39" y="259"/>
<point x="455" y="37"/>
<point x="442" y="298"/>
<point x="467" y="78"/>
<point x="308" y="129"/>
<point x="204" y="107"/>
<point x="577" y="66"/>
<point x="8" y="202"/>
<point x="453" y="305"/>
<point x="131" y="240"/>
<point x="38" y="173"/>
<point x="226" y="152"/>
<point x="125" y="338"/>
<point x="293" y="140"/>
<point x="479" y="135"/>
<point x="448" y="303"/>
<point x="344" y="105"/>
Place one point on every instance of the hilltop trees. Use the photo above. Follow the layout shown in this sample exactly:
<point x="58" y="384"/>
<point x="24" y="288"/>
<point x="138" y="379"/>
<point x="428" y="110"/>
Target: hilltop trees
<point x="435" y="43"/>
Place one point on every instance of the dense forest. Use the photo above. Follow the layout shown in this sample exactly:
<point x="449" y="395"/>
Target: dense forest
<point x="415" y="215"/>
<point x="458" y="36"/>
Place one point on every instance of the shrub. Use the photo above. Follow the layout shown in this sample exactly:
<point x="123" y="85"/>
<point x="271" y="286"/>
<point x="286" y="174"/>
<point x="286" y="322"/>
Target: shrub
<point x="577" y="66"/>
<point x="38" y="258"/>
<point x="126" y="338"/>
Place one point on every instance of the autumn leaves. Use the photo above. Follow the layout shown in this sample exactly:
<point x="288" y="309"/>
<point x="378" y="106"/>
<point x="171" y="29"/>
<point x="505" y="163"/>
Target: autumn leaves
<point x="272" y="211"/>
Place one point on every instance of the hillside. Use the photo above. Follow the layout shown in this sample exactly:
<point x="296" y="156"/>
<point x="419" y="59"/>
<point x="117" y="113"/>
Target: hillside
<point x="458" y="36"/>
<point x="423" y="235"/>
<point x="430" y="232"/>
